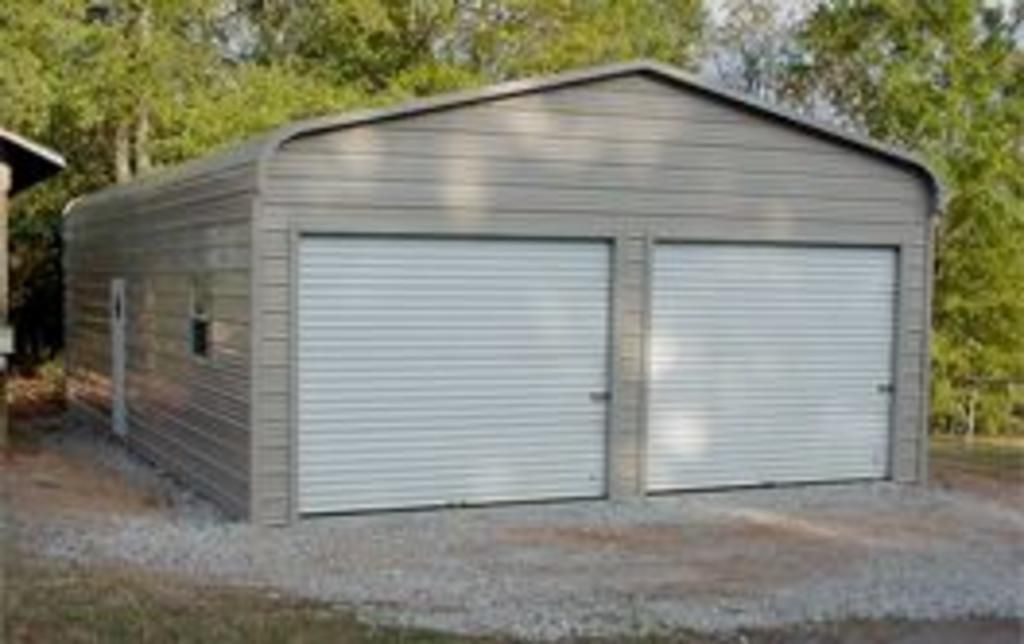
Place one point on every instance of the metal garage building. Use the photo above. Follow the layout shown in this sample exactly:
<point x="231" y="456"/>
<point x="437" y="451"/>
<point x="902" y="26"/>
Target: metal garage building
<point x="607" y="283"/>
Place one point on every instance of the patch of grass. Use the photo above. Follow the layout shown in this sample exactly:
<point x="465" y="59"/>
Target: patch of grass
<point x="988" y="467"/>
<point x="997" y="457"/>
<point x="50" y="602"/>
<point x="46" y="601"/>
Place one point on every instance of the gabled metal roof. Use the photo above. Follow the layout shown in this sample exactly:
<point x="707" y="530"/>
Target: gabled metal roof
<point x="29" y="161"/>
<point x="260" y="149"/>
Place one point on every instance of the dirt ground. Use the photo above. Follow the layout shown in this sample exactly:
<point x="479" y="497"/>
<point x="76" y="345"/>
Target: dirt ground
<point x="43" y="479"/>
<point x="757" y="550"/>
<point x="979" y="485"/>
<point x="991" y="469"/>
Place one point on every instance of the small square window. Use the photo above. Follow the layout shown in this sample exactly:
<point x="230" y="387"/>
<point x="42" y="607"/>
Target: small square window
<point x="200" y="333"/>
<point x="199" y="321"/>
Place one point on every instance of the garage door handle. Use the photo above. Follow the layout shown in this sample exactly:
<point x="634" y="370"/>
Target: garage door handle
<point x="885" y="388"/>
<point x="600" y="396"/>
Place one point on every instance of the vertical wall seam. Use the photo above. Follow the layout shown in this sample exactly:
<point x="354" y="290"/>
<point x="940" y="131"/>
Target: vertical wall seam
<point x="646" y="299"/>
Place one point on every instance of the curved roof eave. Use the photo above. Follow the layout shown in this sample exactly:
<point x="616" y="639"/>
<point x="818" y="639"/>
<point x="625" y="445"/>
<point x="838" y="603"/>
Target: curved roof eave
<point x="249" y="151"/>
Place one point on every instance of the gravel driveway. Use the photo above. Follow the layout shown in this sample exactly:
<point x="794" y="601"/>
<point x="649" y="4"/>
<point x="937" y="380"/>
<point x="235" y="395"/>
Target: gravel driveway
<point x="713" y="561"/>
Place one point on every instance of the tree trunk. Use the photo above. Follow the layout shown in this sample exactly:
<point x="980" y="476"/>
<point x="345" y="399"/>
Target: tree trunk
<point x="972" y="407"/>
<point x="143" y="163"/>
<point x="122" y="153"/>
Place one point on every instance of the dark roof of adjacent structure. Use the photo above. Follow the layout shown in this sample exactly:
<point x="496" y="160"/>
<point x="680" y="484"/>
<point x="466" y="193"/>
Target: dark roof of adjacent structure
<point x="29" y="161"/>
<point x="258" y="149"/>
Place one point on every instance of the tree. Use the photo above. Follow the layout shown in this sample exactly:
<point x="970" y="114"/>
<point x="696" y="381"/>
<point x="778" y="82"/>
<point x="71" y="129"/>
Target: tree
<point x="119" y="87"/>
<point x="945" y="78"/>
<point x="109" y="68"/>
<point x="122" y="87"/>
<point x="512" y="38"/>
<point x="420" y="47"/>
<point x="754" y="44"/>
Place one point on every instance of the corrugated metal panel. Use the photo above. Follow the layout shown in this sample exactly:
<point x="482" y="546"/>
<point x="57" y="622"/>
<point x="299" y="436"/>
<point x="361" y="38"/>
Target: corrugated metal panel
<point x="438" y="371"/>
<point x="189" y="414"/>
<point x="769" y="364"/>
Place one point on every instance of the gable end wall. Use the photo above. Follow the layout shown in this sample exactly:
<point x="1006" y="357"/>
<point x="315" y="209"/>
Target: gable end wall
<point x="632" y="160"/>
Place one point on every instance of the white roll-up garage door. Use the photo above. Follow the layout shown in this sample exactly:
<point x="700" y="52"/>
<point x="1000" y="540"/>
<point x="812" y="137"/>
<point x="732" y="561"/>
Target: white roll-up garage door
<point x="440" y="371"/>
<point x="769" y="364"/>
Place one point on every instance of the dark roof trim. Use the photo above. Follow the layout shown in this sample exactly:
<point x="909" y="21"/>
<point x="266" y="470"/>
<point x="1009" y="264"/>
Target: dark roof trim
<point x="30" y="162"/>
<point x="660" y="71"/>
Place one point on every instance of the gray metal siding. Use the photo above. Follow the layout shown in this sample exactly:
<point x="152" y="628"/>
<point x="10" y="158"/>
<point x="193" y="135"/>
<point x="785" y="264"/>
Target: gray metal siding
<point x="629" y="159"/>
<point x="188" y="414"/>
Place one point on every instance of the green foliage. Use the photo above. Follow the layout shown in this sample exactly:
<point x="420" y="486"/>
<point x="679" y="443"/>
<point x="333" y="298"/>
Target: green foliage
<point x="75" y="78"/>
<point x="120" y="86"/>
<point x="945" y="78"/>
<point x="424" y="46"/>
<point x="243" y="101"/>
<point x="516" y="38"/>
<point x="754" y="44"/>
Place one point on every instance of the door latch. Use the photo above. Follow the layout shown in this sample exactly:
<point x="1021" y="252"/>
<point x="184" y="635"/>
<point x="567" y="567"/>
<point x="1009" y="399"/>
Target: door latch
<point x="600" y="396"/>
<point x="885" y="388"/>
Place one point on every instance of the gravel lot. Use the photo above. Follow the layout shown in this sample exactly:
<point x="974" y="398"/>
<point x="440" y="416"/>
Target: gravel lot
<point x="713" y="561"/>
